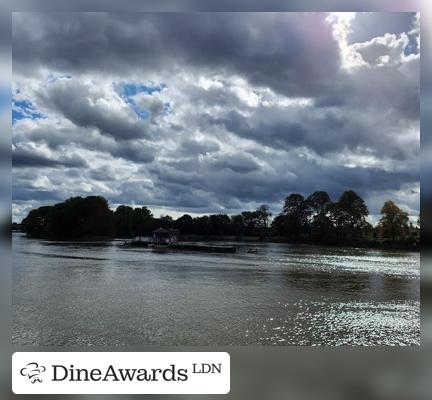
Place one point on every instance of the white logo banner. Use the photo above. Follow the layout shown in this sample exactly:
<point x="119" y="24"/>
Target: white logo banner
<point x="120" y="373"/>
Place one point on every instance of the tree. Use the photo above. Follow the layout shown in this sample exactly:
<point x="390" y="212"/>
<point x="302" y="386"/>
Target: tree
<point x="250" y="222"/>
<point x="97" y="217"/>
<point x="278" y="225"/>
<point x="76" y="217"/>
<point x="320" y="224"/>
<point x="296" y="215"/>
<point x="355" y="211"/>
<point x="394" y="221"/>
<point x="202" y="225"/>
<point x="165" y="221"/>
<point x="185" y="224"/>
<point x="237" y="225"/>
<point x="124" y="221"/>
<point x="318" y="201"/>
<point x="142" y="222"/>
<point x="36" y="222"/>
<point x="339" y="219"/>
<point x="263" y="216"/>
<point x="219" y="224"/>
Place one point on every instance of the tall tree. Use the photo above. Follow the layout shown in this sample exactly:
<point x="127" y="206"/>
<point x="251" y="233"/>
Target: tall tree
<point x="263" y="214"/>
<point x="296" y="215"/>
<point x="250" y="222"/>
<point x="339" y="220"/>
<point x="394" y="221"/>
<point x="36" y="222"/>
<point x="318" y="201"/>
<point x="355" y="211"/>
<point x="76" y="217"/>
<point x="142" y="221"/>
<point x="123" y="218"/>
<point x="219" y="224"/>
<point x="320" y="224"/>
<point x="185" y="224"/>
<point x="237" y="225"/>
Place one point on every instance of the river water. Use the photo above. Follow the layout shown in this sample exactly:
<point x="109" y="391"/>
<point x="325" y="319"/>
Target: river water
<point x="101" y="294"/>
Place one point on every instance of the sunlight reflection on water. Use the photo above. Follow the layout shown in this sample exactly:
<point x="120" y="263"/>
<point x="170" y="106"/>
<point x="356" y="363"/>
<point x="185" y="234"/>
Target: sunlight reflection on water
<point x="101" y="294"/>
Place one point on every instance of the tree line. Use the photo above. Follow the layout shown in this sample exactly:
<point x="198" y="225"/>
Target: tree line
<point x="314" y="219"/>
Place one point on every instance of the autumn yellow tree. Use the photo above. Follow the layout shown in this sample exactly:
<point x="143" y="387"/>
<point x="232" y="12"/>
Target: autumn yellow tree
<point x="394" y="221"/>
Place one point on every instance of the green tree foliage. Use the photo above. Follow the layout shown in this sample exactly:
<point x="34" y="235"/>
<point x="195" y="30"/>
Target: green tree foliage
<point x="75" y="218"/>
<point x="263" y="218"/>
<point x="320" y="227"/>
<point x="318" y="202"/>
<point x="338" y="220"/>
<point x="36" y="222"/>
<point x="124" y="221"/>
<point x="142" y="221"/>
<point x="394" y="222"/>
<point x="219" y="224"/>
<point x="318" y="219"/>
<point x="185" y="224"/>
<point x="313" y="219"/>
<point x="352" y="211"/>
<point x="294" y="219"/>
<point x="237" y="225"/>
<point x="250" y="221"/>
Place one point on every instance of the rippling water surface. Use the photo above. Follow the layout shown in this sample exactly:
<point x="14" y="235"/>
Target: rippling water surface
<point x="101" y="294"/>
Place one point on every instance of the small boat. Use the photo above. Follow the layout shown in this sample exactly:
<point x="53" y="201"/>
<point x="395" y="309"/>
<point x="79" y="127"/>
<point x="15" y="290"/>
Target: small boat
<point x="252" y="251"/>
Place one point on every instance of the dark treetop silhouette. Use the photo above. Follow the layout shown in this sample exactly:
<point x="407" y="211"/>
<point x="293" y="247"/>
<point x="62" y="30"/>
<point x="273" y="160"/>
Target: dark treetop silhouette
<point x="315" y="219"/>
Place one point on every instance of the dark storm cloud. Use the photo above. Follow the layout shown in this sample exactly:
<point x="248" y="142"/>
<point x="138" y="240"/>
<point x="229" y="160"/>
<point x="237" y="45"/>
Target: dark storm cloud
<point x="82" y="105"/>
<point x="193" y="147"/>
<point x="57" y="139"/>
<point x="296" y="174"/>
<point x="240" y="163"/>
<point x="180" y="187"/>
<point x="22" y="158"/>
<point x="323" y="131"/>
<point x="134" y="151"/>
<point x="248" y="108"/>
<point x="21" y="194"/>
<point x="378" y="91"/>
<point x="276" y="50"/>
<point x="104" y="173"/>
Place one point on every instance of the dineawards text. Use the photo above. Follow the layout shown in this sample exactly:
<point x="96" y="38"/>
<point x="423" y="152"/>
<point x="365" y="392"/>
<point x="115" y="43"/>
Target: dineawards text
<point x="112" y="374"/>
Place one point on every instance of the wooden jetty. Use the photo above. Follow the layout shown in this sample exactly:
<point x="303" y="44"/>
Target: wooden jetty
<point x="180" y="246"/>
<point x="167" y="239"/>
<point x="202" y="247"/>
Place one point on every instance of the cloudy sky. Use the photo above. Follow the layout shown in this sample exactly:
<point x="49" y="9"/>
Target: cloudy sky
<point x="204" y="113"/>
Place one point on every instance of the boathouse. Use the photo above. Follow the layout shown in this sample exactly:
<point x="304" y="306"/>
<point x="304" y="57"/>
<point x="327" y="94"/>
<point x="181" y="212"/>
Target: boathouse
<point x="165" y="236"/>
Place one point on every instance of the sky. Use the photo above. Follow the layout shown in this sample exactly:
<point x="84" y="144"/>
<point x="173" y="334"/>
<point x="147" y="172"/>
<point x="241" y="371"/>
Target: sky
<point x="215" y="113"/>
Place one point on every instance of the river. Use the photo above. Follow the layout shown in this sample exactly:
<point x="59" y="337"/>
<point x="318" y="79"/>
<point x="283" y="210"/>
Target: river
<point x="97" y="294"/>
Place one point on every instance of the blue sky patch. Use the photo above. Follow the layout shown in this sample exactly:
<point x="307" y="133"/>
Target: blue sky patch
<point x="24" y="109"/>
<point x="412" y="47"/>
<point x="53" y="78"/>
<point x="128" y="90"/>
<point x="131" y="89"/>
